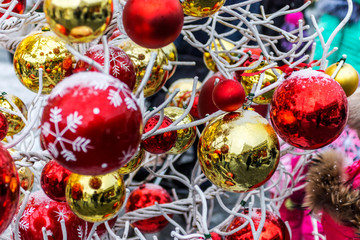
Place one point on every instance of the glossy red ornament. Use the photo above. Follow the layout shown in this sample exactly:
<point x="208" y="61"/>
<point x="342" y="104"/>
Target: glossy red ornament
<point x="4" y="126"/>
<point x="228" y="95"/>
<point x="274" y="227"/>
<point x="145" y="196"/>
<point x="91" y="124"/>
<point x="194" y="112"/>
<point x="121" y="66"/>
<point x="9" y="186"/>
<point x="309" y="110"/>
<point x="250" y="60"/>
<point x="42" y="211"/>
<point x="53" y="180"/>
<point x="153" y="24"/>
<point x="19" y="7"/>
<point x="160" y="143"/>
<point x="205" y="102"/>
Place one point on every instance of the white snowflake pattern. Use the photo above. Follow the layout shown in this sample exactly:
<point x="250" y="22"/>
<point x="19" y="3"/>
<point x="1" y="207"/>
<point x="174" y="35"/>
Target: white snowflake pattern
<point x="82" y="233"/>
<point x="23" y="224"/>
<point x="130" y="103"/>
<point x="115" y="98"/>
<point x="115" y="59"/>
<point x="73" y="120"/>
<point x="61" y="214"/>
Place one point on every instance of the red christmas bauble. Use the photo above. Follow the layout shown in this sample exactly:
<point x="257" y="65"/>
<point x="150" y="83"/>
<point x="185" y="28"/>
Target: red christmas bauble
<point x="121" y="66"/>
<point x="194" y="112"/>
<point x="53" y="180"/>
<point x="205" y="102"/>
<point x="19" y="7"/>
<point x="160" y="143"/>
<point x="42" y="211"/>
<point x="9" y="189"/>
<point x="251" y="59"/>
<point x="274" y="227"/>
<point x="4" y="126"/>
<point x="91" y="124"/>
<point x="145" y="196"/>
<point x="309" y="110"/>
<point x="228" y="95"/>
<point x="153" y="24"/>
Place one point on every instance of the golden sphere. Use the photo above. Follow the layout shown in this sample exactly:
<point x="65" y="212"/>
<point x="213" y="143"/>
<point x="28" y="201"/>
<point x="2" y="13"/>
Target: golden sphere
<point x="185" y="137"/>
<point x="185" y="86"/>
<point x="347" y="77"/>
<point x="172" y="55"/>
<point x="16" y="124"/>
<point x="140" y="57"/>
<point x="95" y="198"/>
<point x="238" y="151"/>
<point x="223" y="46"/>
<point x="42" y="50"/>
<point x="134" y="163"/>
<point x="78" y="20"/>
<point x="26" y="177"/>
<point x="201" y="8"/>
<point x="269" y="78"/>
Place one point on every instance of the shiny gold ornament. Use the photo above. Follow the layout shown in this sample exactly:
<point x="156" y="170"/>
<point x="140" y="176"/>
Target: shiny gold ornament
<point x="172" y="55"/>
<point x="16" y="124"/>
<point x="185" y="86"/>
<point x="185" y="137"/>
<point x="134" y="163"/>
<point x="347" y="77"/>
<point x="269" y="78"/>
<point x="201" y="8"/>
<point x="26" y="177"/>
<point x="220" y="46"/>
<point x="42" y="50"/>
<point x="78" y="20"/>
<point x="238" y="151"/>
<point x="95" y="198"/>
<point x="140" y="57"/>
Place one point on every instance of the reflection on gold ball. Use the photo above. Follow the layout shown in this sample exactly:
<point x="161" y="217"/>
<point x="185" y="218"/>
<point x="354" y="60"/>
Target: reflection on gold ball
<point x="42" y="50"/>
<point x="140" y="57"/>
<point x="220" y="46"/>
<point x="78" y="20"/>
<point x="185" y="86"/>
<point x="185" y="137"/>
<point x="26" y="177"/>
<point x="269" y="78"/>
<point x="95" y="198"/>
<point x="201" y="8"/>
<point x="16" y="124"/>
<point x="238" y="151"/>
<point x="134" y="163"/>
<point x="347" y="77"/>
<point x="172" y="55"/>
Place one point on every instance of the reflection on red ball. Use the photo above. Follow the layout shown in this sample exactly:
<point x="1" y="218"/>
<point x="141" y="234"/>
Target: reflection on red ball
<point x="53" y="180"/>
<point x="19" y="7"/>
<point x="153" y="23"/>
<point x="228" y="95"/>
<point x="274" y="227"/>
<point x="309" y="110"/>
<point x="144" y="196"/>
<point x="4" y="126"/>
<point x="160" y="143"/>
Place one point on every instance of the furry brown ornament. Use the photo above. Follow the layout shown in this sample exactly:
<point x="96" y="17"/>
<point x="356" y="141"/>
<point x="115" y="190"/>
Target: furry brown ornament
<point x="354" y="111"/>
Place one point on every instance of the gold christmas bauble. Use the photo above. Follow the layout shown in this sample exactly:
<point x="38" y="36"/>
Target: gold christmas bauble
<point x="16" y="124"/>
<point x="26" y="177"/>
<point x="78" y="20"/>
<point x="238" y="151"/>
<point x="140" y="57"/>
<point x="269" y="78"/>
<point x="223" y="46"/>
<point x="42" y="50"/>
<point x="134" y="163"/>
<point x="201" y="8"/>
<point x="95" y="198"/>
<point x="172" y="55"/>
<point x="347" y="77"/>
<point x="185" y="137"/>
<point x="185" y="86"/>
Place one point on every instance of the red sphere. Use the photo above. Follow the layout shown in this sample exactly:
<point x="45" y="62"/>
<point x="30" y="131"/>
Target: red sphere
<point x="9" y="186"/>
<point x="153" y="23"/>
<point x="91" y="124"/>
<point x="228" y="95"/>
<point x="274" y="227"/>
<point x="145" y="196"/>
<point x="309" y="110"/>
<point x="41" y="211"/>
<point x="19" y="7"/>
<point x="251" y="59"/>
<point x="121" y="66"/>
<point x="53" y="180"/>
<point x="194" y="112"/>
<point x="4" y="126"/>
<point x="160" y="143"/>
